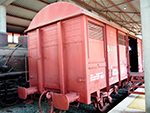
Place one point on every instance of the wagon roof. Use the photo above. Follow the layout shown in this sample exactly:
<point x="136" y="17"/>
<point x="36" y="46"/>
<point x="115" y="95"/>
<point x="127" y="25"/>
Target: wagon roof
<point x="59" y="11"/>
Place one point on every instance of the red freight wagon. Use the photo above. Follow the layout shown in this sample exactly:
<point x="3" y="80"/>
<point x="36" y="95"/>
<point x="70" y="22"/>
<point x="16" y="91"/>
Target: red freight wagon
<point x="140" y="55"/>
<point x="74" y="55"/>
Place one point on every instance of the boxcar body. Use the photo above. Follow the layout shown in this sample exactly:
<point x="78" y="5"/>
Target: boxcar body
<point x="74" y="55"/>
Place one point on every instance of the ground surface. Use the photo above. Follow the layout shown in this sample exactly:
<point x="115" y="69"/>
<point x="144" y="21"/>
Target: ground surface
<point x="34" y="108"/>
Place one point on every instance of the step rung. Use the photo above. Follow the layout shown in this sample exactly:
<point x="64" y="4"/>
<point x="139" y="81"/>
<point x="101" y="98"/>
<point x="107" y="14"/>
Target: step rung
<point x="142" y="93"/>
<point x="137" y="80"/>
<point x="134" y="86"/>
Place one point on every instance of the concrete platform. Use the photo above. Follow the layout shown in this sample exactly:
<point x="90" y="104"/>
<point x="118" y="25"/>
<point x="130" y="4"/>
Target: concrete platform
<point x="134" y="103"/>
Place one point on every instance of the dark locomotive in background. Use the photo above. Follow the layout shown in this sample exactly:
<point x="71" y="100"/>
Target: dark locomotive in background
<point x="12" y="69"/>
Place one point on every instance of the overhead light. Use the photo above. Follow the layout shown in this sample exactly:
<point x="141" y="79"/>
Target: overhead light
<point x="125" y="7"/>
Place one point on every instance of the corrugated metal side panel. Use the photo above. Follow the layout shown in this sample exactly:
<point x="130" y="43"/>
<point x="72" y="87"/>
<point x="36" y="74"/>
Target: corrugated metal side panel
<point x="140" y="55"/>
<point x="95" y="31"/>
<point x="32" y="51"/>
<point x="96" y="61"/>
<point x="122" y="40"/>
<point x="49" y="37"/>
<point x="112" y="54"/>
<point x="123" y="61"/>
<point x="122" y="55"/>
<point x="74" y="57"/>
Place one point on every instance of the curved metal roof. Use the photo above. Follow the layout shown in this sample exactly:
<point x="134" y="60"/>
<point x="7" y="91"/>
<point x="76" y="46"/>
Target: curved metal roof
<point x="124" y="13"/>
<point x="53" y="12"/>
<point x="45" y="17"/>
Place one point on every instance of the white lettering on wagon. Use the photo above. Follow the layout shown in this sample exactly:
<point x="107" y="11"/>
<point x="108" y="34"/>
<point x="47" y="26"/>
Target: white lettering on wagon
<point x="97" y="76"/>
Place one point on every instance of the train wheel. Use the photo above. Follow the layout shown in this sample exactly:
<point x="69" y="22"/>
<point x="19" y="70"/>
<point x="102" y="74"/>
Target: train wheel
<point x="104" y="108"/>
<point x="8" y="93"/>
<point x="5" y="102"/>
<point x="103" y="103"/>
<point x="101" y="106"/>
